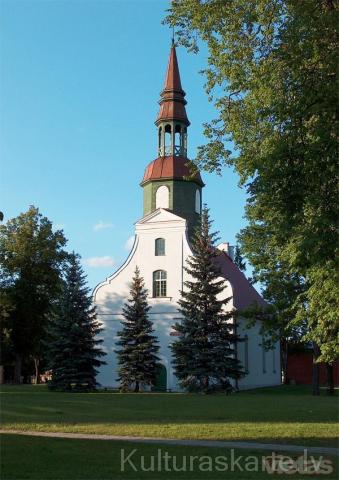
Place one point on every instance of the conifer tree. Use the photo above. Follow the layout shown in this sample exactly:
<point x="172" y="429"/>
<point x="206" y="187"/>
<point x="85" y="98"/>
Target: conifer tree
<point x="138" y="361"/>
<point x="204" y="351"/>
<point x="73" y="344"/>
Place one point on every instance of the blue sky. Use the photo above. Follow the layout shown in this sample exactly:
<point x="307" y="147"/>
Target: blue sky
<point x="79" y="86"/>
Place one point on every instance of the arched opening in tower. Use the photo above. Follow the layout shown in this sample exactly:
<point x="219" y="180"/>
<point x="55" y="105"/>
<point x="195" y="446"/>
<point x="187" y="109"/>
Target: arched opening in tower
<point x="168" y="139"/>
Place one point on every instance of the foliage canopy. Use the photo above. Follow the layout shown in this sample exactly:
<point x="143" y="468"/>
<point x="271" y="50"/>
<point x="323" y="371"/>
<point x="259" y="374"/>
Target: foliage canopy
<point x="272" y="77"/>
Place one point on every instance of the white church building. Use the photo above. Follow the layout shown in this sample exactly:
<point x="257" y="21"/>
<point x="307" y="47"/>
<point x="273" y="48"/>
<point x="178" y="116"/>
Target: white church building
<point x="172" y="205"/>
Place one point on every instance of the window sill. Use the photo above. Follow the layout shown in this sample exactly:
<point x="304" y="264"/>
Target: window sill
<point x="161" y="298"/>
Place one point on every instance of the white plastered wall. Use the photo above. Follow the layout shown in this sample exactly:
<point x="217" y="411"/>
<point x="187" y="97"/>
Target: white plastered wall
<point x="110" y="295"/>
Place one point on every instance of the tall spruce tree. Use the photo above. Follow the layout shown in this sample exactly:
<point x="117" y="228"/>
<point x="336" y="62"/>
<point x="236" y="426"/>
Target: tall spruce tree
<point x="204" y="357"/>
<point x="138" y="361"/>
<point x="73" y="344"/>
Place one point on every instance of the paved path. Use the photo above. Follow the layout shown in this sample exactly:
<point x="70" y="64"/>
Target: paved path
<point x="272" y="447"/>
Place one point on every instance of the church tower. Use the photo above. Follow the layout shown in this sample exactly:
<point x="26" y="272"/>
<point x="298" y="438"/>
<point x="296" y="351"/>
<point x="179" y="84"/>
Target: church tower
<point x="161" y="250"/>
<point x="168" y="182"/>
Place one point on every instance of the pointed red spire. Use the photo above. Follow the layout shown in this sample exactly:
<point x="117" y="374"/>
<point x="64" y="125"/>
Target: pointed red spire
<point x="172" y="101"/>
<point x="172" y="80"/>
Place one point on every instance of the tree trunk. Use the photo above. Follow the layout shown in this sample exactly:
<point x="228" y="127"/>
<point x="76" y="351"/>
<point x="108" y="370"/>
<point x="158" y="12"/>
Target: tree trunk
<point x="315" y="372"/>
<point x="330" y="379"/>
<point x="17" y="369"/>
<point x="36" y="366"/>
<point x="137" y="387"/>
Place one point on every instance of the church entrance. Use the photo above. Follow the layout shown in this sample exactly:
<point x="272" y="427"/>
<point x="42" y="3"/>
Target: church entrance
<point x="161" y="380"/>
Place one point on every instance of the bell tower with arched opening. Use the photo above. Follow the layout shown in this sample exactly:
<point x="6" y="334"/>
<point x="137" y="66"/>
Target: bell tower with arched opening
<point x="168" y="181"/>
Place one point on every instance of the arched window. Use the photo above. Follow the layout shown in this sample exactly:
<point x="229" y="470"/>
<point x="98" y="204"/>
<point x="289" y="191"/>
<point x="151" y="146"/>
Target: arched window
<point x="159" y="247"/>
<point x="159" y="283"/>
<point x="162" y="197"/>
<point x="246" y="354"/>
<point x="197" y="201"/>
<point x="263" y="355"/>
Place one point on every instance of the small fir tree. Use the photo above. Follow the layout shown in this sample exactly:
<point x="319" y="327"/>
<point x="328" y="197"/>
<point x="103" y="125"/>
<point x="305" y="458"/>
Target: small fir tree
<point x="204" y="359"/>
<point x="74" y="348"/>
<point x="138" y="361"/>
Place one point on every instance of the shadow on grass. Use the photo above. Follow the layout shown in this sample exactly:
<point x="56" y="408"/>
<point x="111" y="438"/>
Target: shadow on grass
<point x="83" y="459"/>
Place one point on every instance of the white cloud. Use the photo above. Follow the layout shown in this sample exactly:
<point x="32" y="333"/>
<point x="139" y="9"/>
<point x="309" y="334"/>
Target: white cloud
<point x="129" y="243"/>
<point x="97" y="262"/>
<point x="102" y="225"/>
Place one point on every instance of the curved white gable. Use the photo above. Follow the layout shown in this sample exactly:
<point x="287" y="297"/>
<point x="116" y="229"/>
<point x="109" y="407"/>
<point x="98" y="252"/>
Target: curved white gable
<point x="114" y="274"/>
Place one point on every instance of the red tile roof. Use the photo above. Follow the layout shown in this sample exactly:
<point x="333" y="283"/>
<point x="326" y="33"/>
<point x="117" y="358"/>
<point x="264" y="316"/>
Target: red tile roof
<point x="244" y="294"/>
<point x="170" y="167"/>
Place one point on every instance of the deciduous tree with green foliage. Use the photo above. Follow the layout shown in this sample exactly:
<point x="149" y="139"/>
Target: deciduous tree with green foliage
<point x="31" y="259"/>
<point x="272" y="76"/>
<point x="204" y="352"/>
<point x="73" y="343"/>
<point x="138" y="360"/>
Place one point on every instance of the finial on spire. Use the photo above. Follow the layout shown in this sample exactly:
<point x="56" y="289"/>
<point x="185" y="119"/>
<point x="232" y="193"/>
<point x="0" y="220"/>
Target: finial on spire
<point x="173" y="33"/>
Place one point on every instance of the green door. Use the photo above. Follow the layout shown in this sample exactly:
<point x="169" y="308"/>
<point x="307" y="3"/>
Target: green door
<point x="161" y="380"/>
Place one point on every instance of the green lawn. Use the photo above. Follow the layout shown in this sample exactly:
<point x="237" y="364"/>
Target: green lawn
<point x="281" y="414"/>
<point x="60" y="459"/>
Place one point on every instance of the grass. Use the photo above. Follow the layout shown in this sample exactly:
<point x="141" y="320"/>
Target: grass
<point x="60" y="459"/>
<point x="280" y="414"/>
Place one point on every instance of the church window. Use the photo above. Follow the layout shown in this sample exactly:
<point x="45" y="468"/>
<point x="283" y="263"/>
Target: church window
<point x="246" y="354"/>
<point x="274" y="365"/>
<point x="263" y="356"/>
<point x="159" y="247"/>
<point x="159" y="283"/>
<point x="162" y="197"/>
<point x="197" y="201"/>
